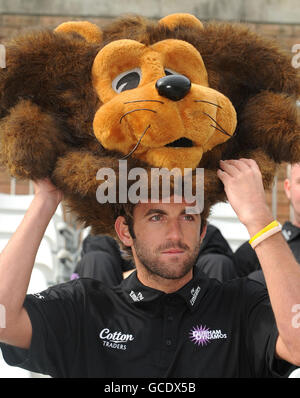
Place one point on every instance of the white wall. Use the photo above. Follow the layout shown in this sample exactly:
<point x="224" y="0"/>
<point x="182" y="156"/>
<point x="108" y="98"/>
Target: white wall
<point x="267" y="11"/>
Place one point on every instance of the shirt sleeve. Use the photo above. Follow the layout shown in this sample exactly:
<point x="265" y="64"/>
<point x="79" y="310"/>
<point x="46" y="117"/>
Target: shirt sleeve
<point x="262" y="334"/>
<point x="54" y="316"/>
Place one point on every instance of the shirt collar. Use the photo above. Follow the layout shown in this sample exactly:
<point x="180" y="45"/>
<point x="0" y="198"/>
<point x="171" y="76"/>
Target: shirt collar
<point x="136" y="292"/>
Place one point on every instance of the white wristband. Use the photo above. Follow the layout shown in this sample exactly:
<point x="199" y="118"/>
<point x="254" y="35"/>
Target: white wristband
<point x="265" y="235"/>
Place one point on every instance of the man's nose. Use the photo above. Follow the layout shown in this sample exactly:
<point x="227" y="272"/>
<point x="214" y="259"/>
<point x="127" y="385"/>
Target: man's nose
<point x="174" y="230"/>
<point x="173" y="87"/>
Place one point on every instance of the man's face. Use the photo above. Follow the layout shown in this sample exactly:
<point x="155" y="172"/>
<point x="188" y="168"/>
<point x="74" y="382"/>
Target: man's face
<point x="292" y="188"/>
<point x="167" y="240"/>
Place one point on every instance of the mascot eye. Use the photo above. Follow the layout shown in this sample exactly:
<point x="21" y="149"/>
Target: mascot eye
<point x="169" y="71"/>
<point x="127" y="80"/>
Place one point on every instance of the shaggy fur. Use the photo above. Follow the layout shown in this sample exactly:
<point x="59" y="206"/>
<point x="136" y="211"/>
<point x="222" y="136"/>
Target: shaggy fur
<point x="48" y="104"/>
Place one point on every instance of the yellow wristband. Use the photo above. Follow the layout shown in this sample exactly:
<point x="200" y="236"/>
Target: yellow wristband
<point x="272" y="225"/>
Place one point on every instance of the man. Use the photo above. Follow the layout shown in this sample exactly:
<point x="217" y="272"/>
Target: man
<point x="102" y="259"/>
<point x="245" y="257"/>
<point x="165" y="319"/>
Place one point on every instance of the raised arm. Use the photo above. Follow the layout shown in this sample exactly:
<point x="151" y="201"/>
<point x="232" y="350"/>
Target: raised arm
<point x="17" y="260"/>
<point x="244" y="188"/>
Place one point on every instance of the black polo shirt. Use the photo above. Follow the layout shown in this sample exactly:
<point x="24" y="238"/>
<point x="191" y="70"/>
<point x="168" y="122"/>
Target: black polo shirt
<point x="292" y="236"/>
<point x="206" y="329"/>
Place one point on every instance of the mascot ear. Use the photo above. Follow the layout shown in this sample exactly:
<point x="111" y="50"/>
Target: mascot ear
<point x="92" y="33"/>
<point x="173" y="20"/>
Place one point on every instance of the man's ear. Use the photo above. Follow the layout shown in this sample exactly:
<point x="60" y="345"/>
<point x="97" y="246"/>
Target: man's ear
<point x="91" y="32"/>
<point x="287" y="187"/>
<point x="203" y="233"/>
<point x="123" y="231"/>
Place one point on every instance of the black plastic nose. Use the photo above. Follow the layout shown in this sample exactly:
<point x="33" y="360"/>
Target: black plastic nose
<point x="173" y="87"/>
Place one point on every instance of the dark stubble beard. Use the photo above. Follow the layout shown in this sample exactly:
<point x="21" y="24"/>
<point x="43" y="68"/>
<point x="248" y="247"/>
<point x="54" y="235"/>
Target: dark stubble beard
<point x="176" y="268"/>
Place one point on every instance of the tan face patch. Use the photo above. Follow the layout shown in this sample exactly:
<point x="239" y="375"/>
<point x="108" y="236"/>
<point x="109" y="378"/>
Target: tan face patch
<point x="137" y="119"/>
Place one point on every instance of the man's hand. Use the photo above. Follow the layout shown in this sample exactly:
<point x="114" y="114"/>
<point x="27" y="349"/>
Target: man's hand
<point x="47" y="191"/>
<point x="245" y="192"/>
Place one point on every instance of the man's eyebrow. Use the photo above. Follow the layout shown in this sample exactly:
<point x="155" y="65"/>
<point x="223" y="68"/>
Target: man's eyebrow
<point x="154" y="211"/>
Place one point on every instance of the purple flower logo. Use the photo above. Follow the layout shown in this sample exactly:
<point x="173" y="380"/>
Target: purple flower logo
<point x="200" y="335"/>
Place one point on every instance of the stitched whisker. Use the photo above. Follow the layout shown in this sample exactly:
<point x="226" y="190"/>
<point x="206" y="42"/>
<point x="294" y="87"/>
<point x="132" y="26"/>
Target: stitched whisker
<point x="131" y="102"/>
<point x="136" y="145"/>
<point x="135" y="110"/>
<point x="221" y="131"/>
<point x="220" y="127"/>
<point x="207" y="102"/>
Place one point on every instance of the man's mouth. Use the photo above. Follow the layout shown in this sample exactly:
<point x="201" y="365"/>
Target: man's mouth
<point x="173" y="251"/>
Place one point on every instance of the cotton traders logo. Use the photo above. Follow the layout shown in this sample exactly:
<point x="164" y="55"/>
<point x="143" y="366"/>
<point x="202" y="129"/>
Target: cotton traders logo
<point x="115" y="340"/>
<point x="201" y="335"/>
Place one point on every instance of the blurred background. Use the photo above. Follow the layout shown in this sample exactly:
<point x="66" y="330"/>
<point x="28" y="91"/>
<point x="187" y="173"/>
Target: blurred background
<point x="273" y="19"/>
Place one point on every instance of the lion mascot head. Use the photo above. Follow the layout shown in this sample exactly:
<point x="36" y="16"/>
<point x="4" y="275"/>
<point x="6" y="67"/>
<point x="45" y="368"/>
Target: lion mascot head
<point x="169" y="94"/>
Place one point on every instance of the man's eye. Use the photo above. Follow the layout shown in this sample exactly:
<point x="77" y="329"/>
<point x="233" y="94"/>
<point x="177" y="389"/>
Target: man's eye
<point x="156" y="217"/>
<point x="188" y="217"/>
<point x="127" y="80"/>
